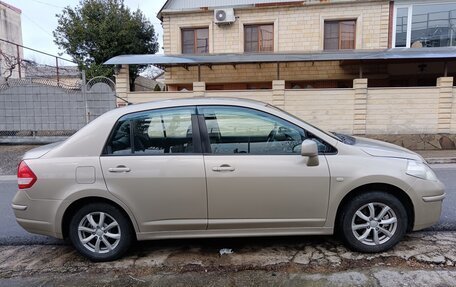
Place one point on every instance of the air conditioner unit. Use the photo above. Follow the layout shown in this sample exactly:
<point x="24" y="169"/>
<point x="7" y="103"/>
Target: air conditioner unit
<point x="224" y="16"/>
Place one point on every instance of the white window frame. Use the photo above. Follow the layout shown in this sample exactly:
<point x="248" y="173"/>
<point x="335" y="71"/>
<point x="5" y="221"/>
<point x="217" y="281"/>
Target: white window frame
<point x="409" y="19"/>
<point x="409" y="24"/>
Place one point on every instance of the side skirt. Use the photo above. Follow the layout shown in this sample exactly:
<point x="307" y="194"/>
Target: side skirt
<point x="235" y="233"/>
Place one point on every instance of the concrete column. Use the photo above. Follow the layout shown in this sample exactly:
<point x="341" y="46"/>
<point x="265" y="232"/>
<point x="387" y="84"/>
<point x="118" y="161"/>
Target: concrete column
<point x="122" y="84"/>
<point x="278" y="93"/>
<point x="199" y="89"/>
<point x="360" y="107"/>
<point x="445" y="85"/>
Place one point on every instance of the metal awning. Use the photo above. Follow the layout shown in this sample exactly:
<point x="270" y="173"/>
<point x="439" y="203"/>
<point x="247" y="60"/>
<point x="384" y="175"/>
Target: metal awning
<point x="395" y="54"/>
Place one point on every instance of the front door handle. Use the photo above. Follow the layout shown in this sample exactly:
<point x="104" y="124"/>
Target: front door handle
<point x="119" y="168"/>
<point x="223" y="167"/>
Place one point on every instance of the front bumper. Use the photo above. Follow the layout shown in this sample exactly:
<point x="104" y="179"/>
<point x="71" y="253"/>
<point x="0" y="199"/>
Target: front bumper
<point x="428" y="204"/>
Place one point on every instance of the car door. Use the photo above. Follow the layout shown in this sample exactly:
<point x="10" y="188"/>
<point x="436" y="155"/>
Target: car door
<point x="256" y="176"/>
<point x="153" y="163"/>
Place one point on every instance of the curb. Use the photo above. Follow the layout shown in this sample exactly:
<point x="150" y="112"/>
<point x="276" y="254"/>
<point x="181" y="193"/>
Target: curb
<point x="7" y="177"/>
<point x="441" y="160"/>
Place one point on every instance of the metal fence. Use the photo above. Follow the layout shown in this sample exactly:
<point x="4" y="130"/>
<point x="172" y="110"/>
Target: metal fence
<point x="38" y="110"/>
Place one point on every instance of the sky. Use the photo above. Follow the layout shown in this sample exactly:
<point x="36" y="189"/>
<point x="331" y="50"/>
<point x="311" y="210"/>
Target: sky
<point x="39" y="21"/>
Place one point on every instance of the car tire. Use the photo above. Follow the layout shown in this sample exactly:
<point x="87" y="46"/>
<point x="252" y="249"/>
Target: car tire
<point x="100" y="232"/>
<point x="372" y="222"/>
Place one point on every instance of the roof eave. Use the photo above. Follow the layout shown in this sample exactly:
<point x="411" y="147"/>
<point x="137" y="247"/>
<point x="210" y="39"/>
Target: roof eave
<point x="447" y="54"/>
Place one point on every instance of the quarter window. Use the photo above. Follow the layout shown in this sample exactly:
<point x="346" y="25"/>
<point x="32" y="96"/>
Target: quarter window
<point x="165" y="131"/>
<point x="259" y="38"/>
<point x="235" y="130"/>
<point x="340" y="35"/>
<point x="195" y="41"/>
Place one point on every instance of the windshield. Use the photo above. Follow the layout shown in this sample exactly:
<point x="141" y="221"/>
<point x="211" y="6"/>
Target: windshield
<point x="334" y="136"/>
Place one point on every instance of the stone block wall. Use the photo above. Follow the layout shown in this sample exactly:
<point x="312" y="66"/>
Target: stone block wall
<point x="296" y="29"/>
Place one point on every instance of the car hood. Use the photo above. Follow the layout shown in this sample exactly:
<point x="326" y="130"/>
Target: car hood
<point x="40" y="151"/>
<point x="383" y="149"/>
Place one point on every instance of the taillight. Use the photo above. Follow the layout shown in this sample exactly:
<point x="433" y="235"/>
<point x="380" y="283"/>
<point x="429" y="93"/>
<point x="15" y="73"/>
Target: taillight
<point x="25" y="176"/>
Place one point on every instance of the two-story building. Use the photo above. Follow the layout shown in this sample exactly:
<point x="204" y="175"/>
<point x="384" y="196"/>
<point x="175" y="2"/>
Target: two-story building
<point x="372" y="67"/>
<point x="320" y="27"/>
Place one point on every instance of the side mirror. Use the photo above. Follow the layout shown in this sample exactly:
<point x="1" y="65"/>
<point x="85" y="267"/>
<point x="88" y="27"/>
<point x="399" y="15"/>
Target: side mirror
<point x="309" y="148"/>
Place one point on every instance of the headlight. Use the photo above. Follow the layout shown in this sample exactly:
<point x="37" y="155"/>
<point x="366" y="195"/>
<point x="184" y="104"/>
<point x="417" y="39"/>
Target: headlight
<point x="420" y="170"/>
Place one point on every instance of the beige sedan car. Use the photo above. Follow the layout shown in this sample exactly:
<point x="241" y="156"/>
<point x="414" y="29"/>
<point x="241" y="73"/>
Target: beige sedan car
<point x="206" y="167"/>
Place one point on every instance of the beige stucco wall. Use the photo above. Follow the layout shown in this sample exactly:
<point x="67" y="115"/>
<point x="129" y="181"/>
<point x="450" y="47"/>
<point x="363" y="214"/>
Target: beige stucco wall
<point x="330" y="109"/>
<point x="11" y="30"/>
<point x="402" y="110"/>
<point x="295" y="29"/>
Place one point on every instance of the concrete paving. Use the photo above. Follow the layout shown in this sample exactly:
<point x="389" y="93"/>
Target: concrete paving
<point x="422" y="259"/>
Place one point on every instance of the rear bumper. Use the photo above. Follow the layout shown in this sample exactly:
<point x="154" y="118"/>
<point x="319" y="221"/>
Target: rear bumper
<point x="36" y="216"/>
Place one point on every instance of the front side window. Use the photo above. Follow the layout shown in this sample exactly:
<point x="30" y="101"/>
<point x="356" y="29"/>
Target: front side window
<point x="339" y="35"/>
<point x="259" y="38"/>
<point x="195" y="41"/>
<point x="236" y="130"/>
<point x="431" y="25"/>
<point x="164" y="131"/>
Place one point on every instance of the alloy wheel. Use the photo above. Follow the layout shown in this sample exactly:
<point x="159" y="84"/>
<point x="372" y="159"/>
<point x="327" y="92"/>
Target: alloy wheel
<point x="99" y="232"/>
<point x="374" y="223"/>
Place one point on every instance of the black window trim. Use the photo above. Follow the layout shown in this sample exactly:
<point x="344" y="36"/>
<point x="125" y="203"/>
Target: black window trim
<point x="205" y="141"/>
<point x="196" y="135"/>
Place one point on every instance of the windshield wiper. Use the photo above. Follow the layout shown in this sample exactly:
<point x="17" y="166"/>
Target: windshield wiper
<point x="346" y="139"/>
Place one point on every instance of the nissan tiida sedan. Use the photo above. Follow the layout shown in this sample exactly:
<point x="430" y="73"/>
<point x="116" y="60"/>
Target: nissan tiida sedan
<point x="205" y="167"/>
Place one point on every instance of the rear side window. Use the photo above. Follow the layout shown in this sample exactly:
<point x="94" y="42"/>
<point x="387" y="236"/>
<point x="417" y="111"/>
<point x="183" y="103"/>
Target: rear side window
<point x="164" y="131"/>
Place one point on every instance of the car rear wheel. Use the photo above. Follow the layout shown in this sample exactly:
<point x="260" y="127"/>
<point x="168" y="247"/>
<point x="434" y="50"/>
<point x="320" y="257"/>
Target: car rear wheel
<point x="100" y="232"/>
<point x="373" y="222"/>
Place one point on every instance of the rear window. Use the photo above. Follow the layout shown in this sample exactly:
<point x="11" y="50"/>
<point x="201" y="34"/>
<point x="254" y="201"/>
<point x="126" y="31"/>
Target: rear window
<point x="164" y="131"/>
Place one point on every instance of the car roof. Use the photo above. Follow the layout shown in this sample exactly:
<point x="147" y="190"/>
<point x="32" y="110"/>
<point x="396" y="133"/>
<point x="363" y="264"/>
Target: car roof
<point x="193" y="101"/>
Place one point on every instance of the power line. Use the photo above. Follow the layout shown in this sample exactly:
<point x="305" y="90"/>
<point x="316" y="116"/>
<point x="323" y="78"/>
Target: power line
<point x="30" y="19"/>
<point x="37" y="25"/>
<point x="38" y="51"/>
<point x="48" y="4"/>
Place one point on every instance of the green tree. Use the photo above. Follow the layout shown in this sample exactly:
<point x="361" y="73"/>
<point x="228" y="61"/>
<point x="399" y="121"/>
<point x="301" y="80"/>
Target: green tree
<point x="97" y="30"/>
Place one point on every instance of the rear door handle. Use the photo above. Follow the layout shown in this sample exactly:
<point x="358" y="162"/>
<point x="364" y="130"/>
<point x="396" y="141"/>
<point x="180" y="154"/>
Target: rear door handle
<point x="119" y="168"/>
<point x="223" y="167"/>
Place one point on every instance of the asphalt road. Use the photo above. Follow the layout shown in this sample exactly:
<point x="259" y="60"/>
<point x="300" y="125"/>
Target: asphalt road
<point x="12" y="234"/>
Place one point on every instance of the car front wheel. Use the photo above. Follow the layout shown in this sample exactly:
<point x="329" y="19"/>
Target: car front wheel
<point x="373" y="222"/>
<point x="100" y="232"/>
